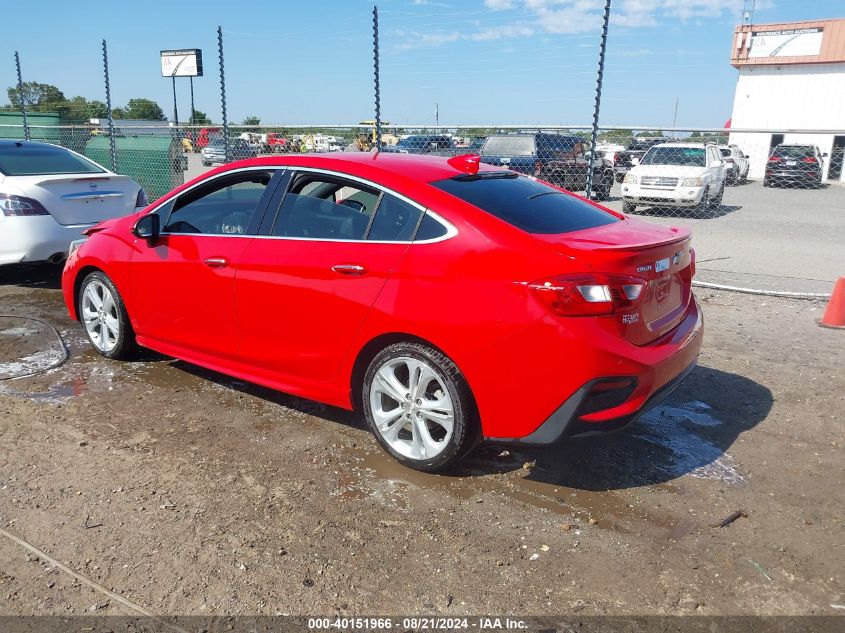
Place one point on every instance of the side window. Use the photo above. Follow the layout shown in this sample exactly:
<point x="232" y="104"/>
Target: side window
<point x="430" y="229"/>
<point x="324" y="207"/>
<point x="224" y="206"/>
<point x="395" y="221"/>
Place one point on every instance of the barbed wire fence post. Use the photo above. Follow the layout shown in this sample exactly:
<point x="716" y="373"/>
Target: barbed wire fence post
<point x="112" y="144"/>
<point x="375" y="73"/>
<point x="223" y="93"/>
<point x="21" y="96"/>
<point x="599" y="77"/>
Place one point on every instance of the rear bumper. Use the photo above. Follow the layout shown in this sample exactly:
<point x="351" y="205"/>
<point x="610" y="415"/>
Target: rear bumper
<point x="565" y="422"/>
<point x="35" y="238"/>
<point x="658" y="368"/>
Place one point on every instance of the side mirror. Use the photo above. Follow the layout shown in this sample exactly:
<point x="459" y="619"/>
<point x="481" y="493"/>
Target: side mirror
<point x="148" y="227"/>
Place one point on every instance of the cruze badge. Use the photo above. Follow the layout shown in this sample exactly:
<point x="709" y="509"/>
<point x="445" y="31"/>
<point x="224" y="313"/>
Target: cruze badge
<point x="643" y="269"/>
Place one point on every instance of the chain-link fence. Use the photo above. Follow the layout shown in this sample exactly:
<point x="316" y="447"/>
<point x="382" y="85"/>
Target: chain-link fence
<point x="767" y="208"/>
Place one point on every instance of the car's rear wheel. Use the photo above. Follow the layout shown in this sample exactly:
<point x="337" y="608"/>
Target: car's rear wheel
<point x="104" y="317"/>
<point x="419" y="407"/>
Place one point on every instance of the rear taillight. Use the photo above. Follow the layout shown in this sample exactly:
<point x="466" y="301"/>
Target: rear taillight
<point x="17" y="206"/>
<point x="589" y="294"/>
<point x="809" y="159"/>
<point x="691" y="263"/>
<point x="141" y="199"/>
<point x="774" y="159"/>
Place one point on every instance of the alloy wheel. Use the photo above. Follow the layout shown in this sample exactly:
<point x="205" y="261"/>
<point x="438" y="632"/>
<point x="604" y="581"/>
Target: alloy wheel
<point x="100" y="316"/>
<point x="412" y="408"/>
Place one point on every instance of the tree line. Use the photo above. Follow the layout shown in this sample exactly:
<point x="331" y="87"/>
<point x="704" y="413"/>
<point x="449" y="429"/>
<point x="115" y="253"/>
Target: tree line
<point x="40" y="97"/>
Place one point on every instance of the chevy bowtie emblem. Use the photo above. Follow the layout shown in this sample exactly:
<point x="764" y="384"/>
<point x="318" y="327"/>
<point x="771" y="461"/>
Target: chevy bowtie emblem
<point x="677" y="257"/>
<point x="92" y="186"/>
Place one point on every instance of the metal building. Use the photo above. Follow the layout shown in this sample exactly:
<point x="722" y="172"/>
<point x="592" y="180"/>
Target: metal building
<point x="791" y="77"/>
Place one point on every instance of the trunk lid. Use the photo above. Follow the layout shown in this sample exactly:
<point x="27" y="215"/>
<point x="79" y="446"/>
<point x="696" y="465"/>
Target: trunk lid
<point x="82" y="199"/>
<point x="659" y="255"/>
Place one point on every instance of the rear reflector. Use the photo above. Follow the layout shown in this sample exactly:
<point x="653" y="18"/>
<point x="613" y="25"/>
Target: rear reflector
<point x="607" y="393"/>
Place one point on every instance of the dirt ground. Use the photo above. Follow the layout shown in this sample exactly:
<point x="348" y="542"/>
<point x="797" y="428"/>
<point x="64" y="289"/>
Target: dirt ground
<point x="188" y="492"/>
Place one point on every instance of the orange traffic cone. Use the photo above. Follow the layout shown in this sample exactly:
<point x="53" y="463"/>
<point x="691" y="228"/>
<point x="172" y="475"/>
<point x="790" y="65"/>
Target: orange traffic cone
<point x="834" y="315"/>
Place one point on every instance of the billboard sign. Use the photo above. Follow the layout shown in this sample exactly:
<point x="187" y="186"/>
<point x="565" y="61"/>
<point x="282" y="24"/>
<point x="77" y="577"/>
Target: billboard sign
<point x="186" y="62"/>
<point x="786" y="43"/>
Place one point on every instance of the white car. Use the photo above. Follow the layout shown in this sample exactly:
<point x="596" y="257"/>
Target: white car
<point x="680" y="175"/>
<point x="49" y="195"/>
<point x="736" y="162"/>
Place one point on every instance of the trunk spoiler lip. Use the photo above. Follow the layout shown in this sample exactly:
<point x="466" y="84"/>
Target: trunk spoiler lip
<point x="47" y="179"/>
<point x="643" y="235"/>
<point x="633" y="246"/>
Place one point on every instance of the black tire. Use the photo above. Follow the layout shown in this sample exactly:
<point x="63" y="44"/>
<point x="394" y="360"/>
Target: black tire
<point x="702" y="209"/>
<point x="716" y="203"/>
<point x="126" y="347"/>
<point x="604" y="183"/>
<point x="466" y="428"/>
<point x="628" y="208"/>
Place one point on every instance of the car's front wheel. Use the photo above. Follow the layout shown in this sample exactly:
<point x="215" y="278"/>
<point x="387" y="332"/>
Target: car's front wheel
<point x="419" y="407"/>
<point x="104" y="317"/>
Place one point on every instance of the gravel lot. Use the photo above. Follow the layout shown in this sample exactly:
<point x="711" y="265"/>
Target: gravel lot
<point x="190" y="493"/>
<point x="746" y="244"/>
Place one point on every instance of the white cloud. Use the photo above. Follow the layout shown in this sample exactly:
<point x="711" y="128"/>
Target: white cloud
<point x="559" y="17"/>
<point x="578" y="16"/>
<point x="499" y="5"/>
<point x="502" y="32"/>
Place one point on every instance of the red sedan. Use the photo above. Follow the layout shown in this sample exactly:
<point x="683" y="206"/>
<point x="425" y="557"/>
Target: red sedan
<point x="450" y="302"/>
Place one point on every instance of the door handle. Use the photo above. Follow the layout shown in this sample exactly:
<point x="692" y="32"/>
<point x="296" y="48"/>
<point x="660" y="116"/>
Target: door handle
<point x="349" y="269"/>
<point x="216" y="262"/>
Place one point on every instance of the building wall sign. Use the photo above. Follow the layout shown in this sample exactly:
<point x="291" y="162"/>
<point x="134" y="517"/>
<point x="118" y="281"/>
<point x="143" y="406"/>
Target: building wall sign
<point x="786" y="43"/>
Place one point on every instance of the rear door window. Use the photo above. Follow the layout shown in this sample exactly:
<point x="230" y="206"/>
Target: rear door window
<point x="525" y="203"/>
<point x="326" y="207"/>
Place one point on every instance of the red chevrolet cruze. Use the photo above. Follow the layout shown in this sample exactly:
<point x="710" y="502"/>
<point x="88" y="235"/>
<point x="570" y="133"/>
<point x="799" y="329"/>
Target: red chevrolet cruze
<point x="449" y="301"/>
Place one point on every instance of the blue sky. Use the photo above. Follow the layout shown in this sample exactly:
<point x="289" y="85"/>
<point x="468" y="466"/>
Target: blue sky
<point x="484" y="61"/>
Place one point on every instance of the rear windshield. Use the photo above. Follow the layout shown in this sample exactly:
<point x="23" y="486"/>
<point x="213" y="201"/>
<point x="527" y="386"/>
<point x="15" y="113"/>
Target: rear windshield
<point x="794" y="151"/>
<point x="687" y="156"/>
<point x="526" y="203"/>
<point x="508" y="146"/>
<point x="27" y="159"/>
